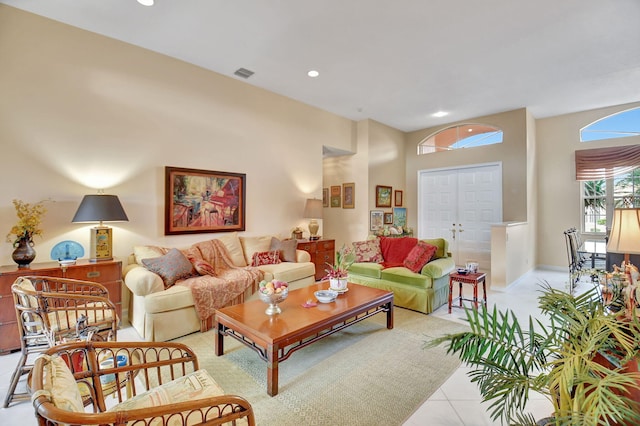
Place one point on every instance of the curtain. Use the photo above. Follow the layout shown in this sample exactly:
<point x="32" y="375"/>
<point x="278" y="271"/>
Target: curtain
<point x="604" y="163"/>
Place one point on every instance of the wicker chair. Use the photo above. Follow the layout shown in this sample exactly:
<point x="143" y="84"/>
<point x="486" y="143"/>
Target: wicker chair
<point x="155" y="384"/>
<point x="52" y="310"/>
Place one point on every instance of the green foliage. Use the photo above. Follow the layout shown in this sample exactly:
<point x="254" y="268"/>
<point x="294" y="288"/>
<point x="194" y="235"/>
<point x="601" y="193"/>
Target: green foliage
<point x="558" y="360"/>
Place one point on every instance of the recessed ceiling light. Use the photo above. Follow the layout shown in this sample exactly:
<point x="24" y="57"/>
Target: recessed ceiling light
<point x="440" y="114"/>
<point x="146" y="2"/>
<point x="313" y="73"/>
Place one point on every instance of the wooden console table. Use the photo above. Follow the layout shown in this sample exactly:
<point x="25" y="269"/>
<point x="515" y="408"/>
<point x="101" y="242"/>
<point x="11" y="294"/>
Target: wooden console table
<point x="322" y="252"/>
<point x="107" y="273"/>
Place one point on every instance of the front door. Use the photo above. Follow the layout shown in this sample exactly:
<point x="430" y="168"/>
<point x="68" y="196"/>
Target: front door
<point x="460" y="205"/>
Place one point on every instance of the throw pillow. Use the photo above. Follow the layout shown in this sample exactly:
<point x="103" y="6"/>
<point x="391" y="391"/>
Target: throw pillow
<point x="395" y="250"/>
<point x="368" y="251"/>
<point x="171" y="267"/>
<point x="287" y="249"/>
<point x="265" y="258"/>
<point x="419" y="256"/>
<point x="252" y="245"/>
<point x="232" y="243"/>
<point x="203" y="267"/>
<point x="59" y="382"/>
<point x="147" y="252"/>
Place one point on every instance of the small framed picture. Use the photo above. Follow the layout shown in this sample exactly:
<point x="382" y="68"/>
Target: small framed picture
<point x="325" y="197"/>
<point x="335" y="196"/>
<point x="397" y="198"/>
<point x="348" y="195"/>
<point x="388" y="218"/>
<point x="400" y="216"/>
<point x="376" y="220"/>
<point x="383" y="196"/>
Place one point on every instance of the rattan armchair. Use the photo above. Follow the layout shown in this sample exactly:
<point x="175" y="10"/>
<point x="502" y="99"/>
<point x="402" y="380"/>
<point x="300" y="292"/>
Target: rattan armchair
<point x="52" y="310"/>
<point x="132" y="392"/>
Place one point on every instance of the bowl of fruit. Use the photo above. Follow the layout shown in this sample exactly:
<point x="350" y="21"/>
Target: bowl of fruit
<point x="273" y="292"/>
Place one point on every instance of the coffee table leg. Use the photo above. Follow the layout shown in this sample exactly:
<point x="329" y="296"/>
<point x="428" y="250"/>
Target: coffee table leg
<point x="272" y="370"/>
<point x="390" y="315"/>
<point x="218" y="341"/>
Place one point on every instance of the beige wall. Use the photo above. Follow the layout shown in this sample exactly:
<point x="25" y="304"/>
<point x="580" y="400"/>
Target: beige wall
<point x="80" y="112"/>
<point x="558" y="205"/>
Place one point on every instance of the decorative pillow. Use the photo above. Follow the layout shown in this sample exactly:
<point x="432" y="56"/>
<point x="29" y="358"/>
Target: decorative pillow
<point x="419" y="256"/>
<point x="203" y="267"/>
<point x="147" y="252"/>
<point x="287" y="249"/>
<point x="252" y="245"/>
<point x="368" y="251"/>
<point x="265" y="258"/>
<point x="171" y="267"/>
<point x="232" y="243"/>
<point x="61" y="385"/>
<point x="395" y="250"/>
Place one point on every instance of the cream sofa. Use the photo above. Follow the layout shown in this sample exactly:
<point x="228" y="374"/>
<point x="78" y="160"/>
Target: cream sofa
<point x="160" y="314"/>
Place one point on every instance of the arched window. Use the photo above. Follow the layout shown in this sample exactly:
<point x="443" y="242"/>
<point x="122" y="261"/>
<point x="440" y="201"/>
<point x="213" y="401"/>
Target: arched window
<point x="460" y="136"/>
<point x="619" y="125"/>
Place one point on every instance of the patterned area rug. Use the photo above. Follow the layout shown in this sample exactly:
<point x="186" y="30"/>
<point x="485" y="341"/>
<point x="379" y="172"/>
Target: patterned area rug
<point x="364" y="375"/>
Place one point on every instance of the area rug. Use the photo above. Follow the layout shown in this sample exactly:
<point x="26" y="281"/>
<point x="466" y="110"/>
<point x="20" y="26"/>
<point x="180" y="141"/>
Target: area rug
<point x="363" y="375"/>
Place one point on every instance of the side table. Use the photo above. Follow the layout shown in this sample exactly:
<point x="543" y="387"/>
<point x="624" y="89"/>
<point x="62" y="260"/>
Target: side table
<point x="471" y="278"/>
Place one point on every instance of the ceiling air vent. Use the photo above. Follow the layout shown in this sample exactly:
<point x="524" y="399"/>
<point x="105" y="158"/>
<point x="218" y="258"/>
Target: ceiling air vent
<point x="243" y="72"/>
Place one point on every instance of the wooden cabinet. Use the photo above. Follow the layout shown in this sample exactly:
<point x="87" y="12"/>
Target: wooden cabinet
<point x="322" y="252"/>
<point x="107" y="273"/>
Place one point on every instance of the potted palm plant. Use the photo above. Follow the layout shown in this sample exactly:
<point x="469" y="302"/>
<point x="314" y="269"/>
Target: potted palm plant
<point x="580" y="360"/>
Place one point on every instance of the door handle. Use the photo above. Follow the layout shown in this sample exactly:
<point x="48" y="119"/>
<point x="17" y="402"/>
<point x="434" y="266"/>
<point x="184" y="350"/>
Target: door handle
<point x="453" y="232"/>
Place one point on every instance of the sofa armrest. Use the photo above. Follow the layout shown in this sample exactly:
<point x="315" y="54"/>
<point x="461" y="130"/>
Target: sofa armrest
<point x="439" y="267"/>
<point x="142" y="281"/>
<point x="302" y="256"/>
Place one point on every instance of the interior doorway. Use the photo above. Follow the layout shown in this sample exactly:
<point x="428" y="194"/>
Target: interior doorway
<point x="460" y="204"/>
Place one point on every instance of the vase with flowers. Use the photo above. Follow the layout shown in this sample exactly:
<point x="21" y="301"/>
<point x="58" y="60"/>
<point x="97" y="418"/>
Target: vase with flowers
<point x="337" y="273"/>
<point x="22" y="233"/>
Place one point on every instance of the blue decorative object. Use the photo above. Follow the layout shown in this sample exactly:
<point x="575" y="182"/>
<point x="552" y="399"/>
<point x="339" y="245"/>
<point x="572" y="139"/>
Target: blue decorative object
<point x="67" y="250"/>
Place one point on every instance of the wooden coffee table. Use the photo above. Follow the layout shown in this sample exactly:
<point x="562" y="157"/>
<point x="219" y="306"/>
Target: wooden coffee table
<point x="275" y="338"/>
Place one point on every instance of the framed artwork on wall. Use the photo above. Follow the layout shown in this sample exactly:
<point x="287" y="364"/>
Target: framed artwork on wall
<point x="335" y="196"/>
<point x="325" y="197"/>
<point x="397" y="195"/>
<point x="376" y="219"/>
<point x="198" y="201"/>
<point x="400" y="216"/>
<point x="388" y="218"/>
<point x="348" y="195"/>
<point x="383" y="196"/>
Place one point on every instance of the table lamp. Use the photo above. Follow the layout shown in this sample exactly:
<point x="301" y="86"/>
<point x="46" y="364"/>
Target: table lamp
<point x="625" y="233"/>
<point x="313" y="211"/>
<point x="100" y="208"/>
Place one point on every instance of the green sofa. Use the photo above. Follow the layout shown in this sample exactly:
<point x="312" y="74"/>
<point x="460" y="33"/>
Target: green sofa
<point x="422" y="292"/>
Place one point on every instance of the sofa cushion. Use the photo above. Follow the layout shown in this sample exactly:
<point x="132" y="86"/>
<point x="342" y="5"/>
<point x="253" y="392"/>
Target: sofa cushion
<point x="196" y="385"/>
<point x="288" y="271"/>
<point x="265" y="258"/>
<point x="60" y="384"/>
<point x="232" y="243"/>
<point x="395" y="250"/>
<point x="368" y="251"/>
<point x="171" y="267"/>
<point x="174" y="298"/>
<point x="419" y="256"/>
<point x="441" y="244"/>
<point x="366" y="269"/>
<point x="400" y="274"/>
<point x="251" y="245"/>
<point x="147" y="252"/>
<point x="287" y="249"/>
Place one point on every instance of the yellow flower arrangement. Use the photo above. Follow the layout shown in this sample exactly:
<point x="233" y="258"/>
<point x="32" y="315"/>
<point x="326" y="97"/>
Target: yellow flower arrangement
<point x="29" y="219"/>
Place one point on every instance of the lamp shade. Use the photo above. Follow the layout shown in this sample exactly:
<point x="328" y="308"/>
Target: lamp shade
<point x="313" y="209"/>
<point x="625" y="232"/>
<point x="99" y="208"/>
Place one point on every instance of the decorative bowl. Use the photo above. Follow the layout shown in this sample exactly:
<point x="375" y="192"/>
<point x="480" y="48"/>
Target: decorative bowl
<point x="273" y="300"/>
<point x="462" y="271"/>
<point x="326" y="296"/>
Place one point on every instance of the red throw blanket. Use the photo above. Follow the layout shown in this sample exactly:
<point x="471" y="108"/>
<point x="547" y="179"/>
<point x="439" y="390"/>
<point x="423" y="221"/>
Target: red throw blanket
<point x="211" y="292"/>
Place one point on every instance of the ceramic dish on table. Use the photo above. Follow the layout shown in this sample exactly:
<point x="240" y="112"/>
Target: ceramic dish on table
<point x="326" y="296"/>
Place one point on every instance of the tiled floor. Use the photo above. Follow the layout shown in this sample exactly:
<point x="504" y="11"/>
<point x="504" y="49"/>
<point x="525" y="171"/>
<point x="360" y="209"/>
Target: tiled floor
<point x="456" y="403"/>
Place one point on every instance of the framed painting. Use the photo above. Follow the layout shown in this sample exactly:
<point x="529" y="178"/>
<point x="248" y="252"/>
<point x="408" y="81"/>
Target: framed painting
<point x="325" y="197"/>
<point x="400" y="216"/>
<point x="397" y="198"/>
<point x="383" y="196"/>
<point x="198" y="201"/>
<point x="388" y="218"/>
<point x="348" y="195"/>
<point x="376" y="220"/>
<point x="335" y="196"/>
